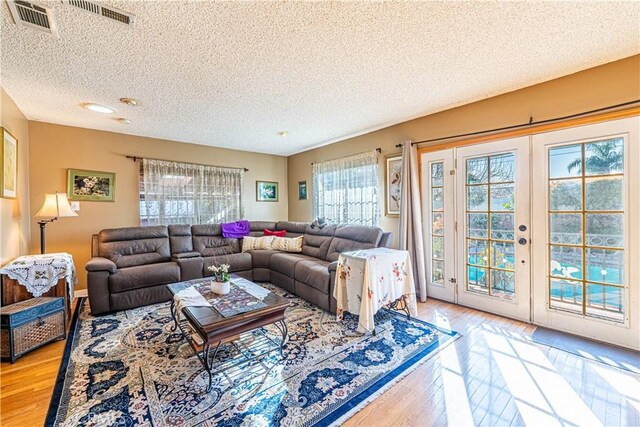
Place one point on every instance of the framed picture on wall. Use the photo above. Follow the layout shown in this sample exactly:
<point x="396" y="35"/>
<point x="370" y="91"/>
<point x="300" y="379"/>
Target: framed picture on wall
<point x="91" y="186"/>
<point x="393" y="177"/>
<point x="266" y="191"/>
<point x="9" y="163"/>
<point x="302" y="190"/>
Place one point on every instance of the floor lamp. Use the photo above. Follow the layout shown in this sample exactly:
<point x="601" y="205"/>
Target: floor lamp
<point x="55" y="206"/>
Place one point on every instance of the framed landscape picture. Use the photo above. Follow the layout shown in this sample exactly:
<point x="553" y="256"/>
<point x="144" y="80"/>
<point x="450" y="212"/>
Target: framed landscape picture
<point x="9" y="163"/>
<point x="266" y="191"/>
<point x="302" y="190"/>
<point x="393" y="176"/>
<point x="91" y="186"/>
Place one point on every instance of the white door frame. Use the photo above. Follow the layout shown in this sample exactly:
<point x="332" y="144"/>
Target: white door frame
<point x="625" y="334"/>
<point x="519" y="307"/>
<point x="444" y="291"/>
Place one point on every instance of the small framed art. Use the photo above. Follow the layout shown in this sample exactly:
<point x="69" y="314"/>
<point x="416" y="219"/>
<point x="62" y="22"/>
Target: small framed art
<point x="393" y="177"/>
<point x="9" y="163"/>
<point x="91" y="186"/>
<point x="266" y="191"/>
<point x="302" y="190"/>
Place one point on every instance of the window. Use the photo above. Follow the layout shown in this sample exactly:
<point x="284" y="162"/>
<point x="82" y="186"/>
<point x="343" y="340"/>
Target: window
<point x="185" y="193"/>
<point x="437" y="223"/>
<point x="346" y="190"/>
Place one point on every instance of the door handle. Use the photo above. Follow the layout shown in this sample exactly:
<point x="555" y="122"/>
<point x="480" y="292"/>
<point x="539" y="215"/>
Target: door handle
<point x="522" y="241"/>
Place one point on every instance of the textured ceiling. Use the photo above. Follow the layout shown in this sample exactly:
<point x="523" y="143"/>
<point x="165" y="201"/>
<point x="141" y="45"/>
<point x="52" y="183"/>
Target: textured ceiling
<point x="232" y="74"/>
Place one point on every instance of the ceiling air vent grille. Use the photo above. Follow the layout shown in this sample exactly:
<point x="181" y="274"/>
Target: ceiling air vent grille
<point x="32" y="15"/>
<point x="105" y="11"/>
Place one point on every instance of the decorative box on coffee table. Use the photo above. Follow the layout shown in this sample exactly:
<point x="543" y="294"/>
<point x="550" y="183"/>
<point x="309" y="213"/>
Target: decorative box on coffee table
<point x="27" y="325"/>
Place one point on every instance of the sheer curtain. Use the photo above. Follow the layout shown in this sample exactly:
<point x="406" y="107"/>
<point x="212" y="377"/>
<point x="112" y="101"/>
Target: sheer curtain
<point x="185" y="193"/>
<point x="346" y="190"/>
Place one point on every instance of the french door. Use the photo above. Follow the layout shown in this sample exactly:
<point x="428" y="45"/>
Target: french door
<point x="542" y="228"/>
<point x="587" y="210"/>
<point x="476" y="216"/>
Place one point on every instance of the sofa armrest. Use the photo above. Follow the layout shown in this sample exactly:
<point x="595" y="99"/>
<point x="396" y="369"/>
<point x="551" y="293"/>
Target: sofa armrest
<point x="185" y="255"/>
<point x="101" y="264"/>
<point x="333" y="266"/>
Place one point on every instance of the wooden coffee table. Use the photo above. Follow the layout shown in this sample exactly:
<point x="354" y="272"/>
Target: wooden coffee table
<point x="246" y="308"/>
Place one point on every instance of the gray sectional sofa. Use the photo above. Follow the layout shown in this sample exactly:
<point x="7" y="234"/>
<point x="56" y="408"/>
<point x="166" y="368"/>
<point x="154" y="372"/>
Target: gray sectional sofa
<point x="130" y="266"/>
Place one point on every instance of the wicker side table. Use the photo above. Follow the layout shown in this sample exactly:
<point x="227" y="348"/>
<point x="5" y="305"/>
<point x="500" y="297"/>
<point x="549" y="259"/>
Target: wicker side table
<point x="27" y="325"/>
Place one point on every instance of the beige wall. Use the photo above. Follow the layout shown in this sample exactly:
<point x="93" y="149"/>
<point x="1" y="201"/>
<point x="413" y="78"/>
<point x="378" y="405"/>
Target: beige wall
<point x="14" y="213"/>
<point x="54" y="149"/>
<point x="609" y="84"/>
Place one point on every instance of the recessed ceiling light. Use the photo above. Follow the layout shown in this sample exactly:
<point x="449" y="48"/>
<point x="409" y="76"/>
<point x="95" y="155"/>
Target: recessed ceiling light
<point x="98" y="108"/>
<point x="131" y="102"/>
<point x="283" y="133"/>
<point x="122" y="120"/>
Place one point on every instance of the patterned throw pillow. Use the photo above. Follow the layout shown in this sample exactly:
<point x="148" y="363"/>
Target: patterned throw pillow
<point x="287" y="244"/>
<point x="252" y="243"/>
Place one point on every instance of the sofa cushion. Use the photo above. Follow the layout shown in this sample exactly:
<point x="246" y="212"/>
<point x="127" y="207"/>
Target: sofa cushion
<point x="180" y="238"/>
<point x="285" y="263"/>
<point x="314" y="273"/>
<point x="351" y="238"/>
<point x="261" y="258"/>
<point x="208" y="241"/>
<point x="253" y="243"/>
<point x="134" y="246"/>
<point x="287" y="244"/>
<point x="237" y="262"/>
<point x="143" y="276"/>
<point x="293" y="229"/>
<point x="316" y="241"/>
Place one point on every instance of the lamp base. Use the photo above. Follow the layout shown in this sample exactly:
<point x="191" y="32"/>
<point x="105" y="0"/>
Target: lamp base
<point x="43" y="223"/>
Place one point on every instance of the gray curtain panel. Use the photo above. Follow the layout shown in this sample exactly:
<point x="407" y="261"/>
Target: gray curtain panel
<point x="411" y="238"/>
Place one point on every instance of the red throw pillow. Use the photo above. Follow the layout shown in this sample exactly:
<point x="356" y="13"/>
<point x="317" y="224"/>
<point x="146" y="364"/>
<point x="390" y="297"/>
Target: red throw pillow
<point x="280" y="233"/>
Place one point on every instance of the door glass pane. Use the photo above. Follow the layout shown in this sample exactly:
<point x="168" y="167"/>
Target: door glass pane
<point x="565" y="161"/>
<point x="490" y="227"/>
<point x="566" y="295"/>
<point x="605" y="230"/>
<point x="605" y="302"/>
<point x="566" y="228"/>
<point x="437" y="215"/>
<point x="586" y="247"/>
<point x="565" y="195"/>
<point x="605" y="194"/>
<point x="477" y="198"/>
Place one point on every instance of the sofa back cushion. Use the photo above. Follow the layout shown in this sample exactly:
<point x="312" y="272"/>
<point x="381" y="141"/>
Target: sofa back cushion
<point x="132" y="246"/>
<point x="294" y="229"/>
<point x="352" y="238"/>
<point x="208" y="241"/>
<point x="180" y="238"/>
<point x="316" y="241"/>
<point x="257" y="227"/>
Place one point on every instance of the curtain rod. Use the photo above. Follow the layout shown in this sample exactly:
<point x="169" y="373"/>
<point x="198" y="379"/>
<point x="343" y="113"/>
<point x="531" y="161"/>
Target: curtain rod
<point x="530" y="123"/>
<point x="136" y="158"/>
<point x="379" y="150"/>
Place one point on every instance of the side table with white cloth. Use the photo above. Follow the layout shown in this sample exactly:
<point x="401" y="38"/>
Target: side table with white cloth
<point x="368" y="280"/>
<point x="42" y="275"/>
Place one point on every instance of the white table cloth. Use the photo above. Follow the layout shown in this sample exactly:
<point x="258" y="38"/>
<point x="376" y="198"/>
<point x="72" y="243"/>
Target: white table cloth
<point x="39" y="273"/>
<point x="370" y="279"/>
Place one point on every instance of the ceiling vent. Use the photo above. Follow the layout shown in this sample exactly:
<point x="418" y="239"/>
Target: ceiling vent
<point x="105" y="11"/>
<point x="32" y="15"/>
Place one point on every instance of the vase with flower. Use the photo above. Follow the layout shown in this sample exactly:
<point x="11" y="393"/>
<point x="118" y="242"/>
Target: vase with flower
<point x="220" y="279"/>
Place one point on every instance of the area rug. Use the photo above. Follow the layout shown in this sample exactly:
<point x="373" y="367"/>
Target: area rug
<point x="130" y="368"/>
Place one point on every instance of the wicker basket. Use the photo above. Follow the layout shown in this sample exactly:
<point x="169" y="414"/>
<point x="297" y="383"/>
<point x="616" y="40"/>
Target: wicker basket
<point x="30" y="324"/>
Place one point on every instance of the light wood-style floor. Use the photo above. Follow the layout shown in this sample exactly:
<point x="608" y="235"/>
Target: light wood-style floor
<point x="492" y="376"/>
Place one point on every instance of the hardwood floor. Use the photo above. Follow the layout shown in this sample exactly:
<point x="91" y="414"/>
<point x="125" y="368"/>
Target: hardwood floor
<point x="492" y="376"/>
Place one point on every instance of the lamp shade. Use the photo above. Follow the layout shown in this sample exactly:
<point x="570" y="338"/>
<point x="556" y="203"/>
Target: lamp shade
<point x="55" y="206"/>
